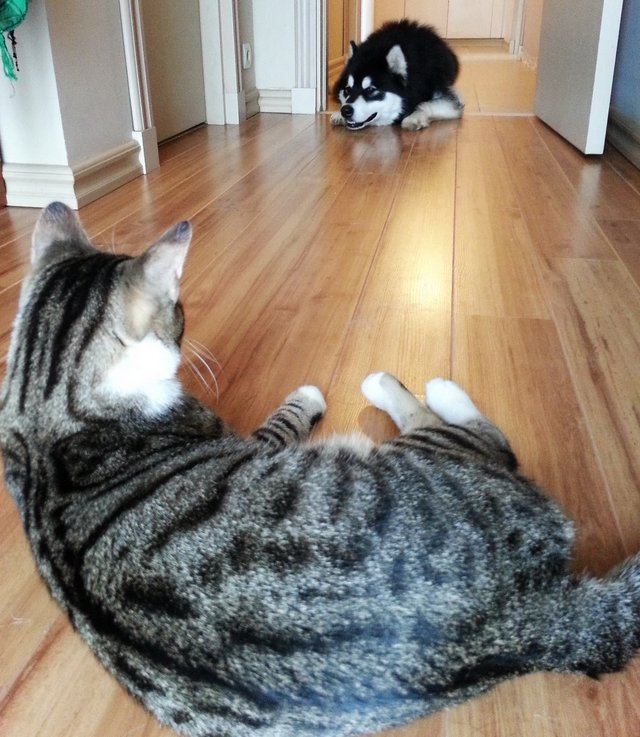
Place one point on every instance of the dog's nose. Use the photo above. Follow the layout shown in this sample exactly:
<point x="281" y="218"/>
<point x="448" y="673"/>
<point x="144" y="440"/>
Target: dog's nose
<point x="347" y="111"/>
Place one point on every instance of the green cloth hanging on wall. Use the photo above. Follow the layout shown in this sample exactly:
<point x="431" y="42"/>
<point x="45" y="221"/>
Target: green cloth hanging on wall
<point x="12" y="13"/>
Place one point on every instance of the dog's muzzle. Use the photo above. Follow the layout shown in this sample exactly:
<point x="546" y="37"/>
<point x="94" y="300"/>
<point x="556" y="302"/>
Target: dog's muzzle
<point x="347" y="113"/>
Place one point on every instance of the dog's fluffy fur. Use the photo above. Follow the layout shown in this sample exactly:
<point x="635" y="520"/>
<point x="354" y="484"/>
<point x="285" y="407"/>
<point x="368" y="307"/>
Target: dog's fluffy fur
<point x="403" y="73"/>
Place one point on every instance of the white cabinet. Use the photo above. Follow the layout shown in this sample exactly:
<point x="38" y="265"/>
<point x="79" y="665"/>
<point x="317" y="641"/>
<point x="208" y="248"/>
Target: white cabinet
<point x="451" y="18"/>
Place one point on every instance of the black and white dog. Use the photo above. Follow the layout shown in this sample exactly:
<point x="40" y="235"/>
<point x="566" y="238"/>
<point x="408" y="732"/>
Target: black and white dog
<point x="403" y="73"/>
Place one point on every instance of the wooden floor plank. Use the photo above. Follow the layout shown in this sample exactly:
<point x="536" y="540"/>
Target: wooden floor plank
<point x="496" y="271"/>
<point x="599" y="185"/>
<point x="558" y="222"/>
<point x="624" y="236"/>
<point x="289" y="262"/>
<point x="492" y="81"/>
<point x="402" y="321"/>
<point x="187" y="183"/>
<point x="596" y="307"/>
<point x="515" y="371"/>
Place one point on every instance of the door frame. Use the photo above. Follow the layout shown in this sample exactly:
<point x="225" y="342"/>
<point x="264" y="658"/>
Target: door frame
<point x="224" y="98"/>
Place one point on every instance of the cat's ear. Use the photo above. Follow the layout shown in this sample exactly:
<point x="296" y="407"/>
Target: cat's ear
<point x="58" y="234"/>
<point x="153" y="280"/>
<point x="162" y="264"/>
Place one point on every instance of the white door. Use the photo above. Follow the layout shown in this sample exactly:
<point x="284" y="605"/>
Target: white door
<point x="575" y="69"/>
<point x="174" y="58"/>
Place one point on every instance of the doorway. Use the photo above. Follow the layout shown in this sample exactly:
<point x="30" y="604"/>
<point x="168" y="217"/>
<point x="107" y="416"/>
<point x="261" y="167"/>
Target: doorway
<point x="343" y="26"/>
<point x="496" y="40"/>
<point x="174" y="63"/>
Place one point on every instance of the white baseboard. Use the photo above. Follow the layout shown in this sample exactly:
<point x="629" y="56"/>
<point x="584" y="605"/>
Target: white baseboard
<point x="252" y="102"/>
<point x="101" y="174"/>
<point x="148" y="141"/>
<point x="275" y="101"/>
<point x="303" y="100"/>
<point x="36" y="185"/>
<point x="624" y="134"/>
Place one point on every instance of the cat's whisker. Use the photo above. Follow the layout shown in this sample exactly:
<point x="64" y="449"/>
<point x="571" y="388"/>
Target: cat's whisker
<point x="197" y="374"/>
<point x="206" y="351"/>
<point x="196" y="354"/>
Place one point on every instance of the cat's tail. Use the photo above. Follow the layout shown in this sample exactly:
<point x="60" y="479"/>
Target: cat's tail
<point x="589" y="625"/>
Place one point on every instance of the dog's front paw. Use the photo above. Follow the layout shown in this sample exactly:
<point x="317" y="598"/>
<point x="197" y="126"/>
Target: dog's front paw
<point x="337" y="119"/>
<point x="416" y="121"/>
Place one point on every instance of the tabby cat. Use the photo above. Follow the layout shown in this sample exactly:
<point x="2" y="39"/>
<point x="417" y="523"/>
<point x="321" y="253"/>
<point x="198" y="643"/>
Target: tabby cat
<point x="272" y="586"/>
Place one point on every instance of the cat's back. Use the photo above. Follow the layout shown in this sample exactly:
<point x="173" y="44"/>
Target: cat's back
<point x="309" y="520"/>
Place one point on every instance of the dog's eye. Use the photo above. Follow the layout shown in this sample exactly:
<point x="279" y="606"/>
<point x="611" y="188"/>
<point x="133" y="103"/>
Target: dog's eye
<point x="346" y="90"/>
<point x="371" y="92"/>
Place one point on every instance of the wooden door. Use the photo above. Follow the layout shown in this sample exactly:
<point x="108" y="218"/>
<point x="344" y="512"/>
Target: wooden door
<point x="343" y="26"/>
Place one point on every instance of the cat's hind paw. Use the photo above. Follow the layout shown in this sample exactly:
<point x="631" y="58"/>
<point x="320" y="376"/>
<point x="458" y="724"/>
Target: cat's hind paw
<point x="378" y="388"/>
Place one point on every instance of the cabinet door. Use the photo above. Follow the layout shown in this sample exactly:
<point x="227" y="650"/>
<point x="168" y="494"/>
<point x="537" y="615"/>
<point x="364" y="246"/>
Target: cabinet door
<point x="430" y="12"/>
<point x="475" y="19"/>
<point x="386" y="10"/>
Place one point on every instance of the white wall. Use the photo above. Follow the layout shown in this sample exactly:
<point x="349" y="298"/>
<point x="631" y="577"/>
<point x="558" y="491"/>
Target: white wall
<point x="624" y="130"/>
<point x="273" y="24"/>
<point x="30" y="120"/>
<point x="86" y="40"/>
<point x="625" y="97"/>
<point x="66" y="124"/>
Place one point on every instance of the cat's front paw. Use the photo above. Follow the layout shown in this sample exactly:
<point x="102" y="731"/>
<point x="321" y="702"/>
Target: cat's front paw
<point x="450" y="402"/>
<point x="337" y="119"/>
<point x="311" y="398"/>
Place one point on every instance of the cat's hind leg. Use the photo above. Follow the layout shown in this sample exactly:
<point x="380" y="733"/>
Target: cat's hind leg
<point x="294" y="419"/>
<point x="385" y="392"/>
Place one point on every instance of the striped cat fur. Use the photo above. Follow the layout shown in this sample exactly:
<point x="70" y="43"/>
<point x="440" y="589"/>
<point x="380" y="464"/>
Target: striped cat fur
<point x="275" y="586"/>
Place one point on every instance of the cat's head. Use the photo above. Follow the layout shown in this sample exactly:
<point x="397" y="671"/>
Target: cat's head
<point x="96" y="332"/>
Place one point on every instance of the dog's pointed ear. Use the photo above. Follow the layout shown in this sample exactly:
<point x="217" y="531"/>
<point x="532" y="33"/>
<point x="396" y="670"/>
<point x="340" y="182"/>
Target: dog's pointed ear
<point x="353" y="47"/>
<point x="397" y="62"/>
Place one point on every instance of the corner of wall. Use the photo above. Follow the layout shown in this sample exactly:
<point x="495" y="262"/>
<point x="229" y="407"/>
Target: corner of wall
<point x="623" y="133"/>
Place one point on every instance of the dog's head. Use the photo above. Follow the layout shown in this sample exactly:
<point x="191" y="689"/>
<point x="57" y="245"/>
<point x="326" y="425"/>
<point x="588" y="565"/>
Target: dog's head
<point x="370" y="89"/>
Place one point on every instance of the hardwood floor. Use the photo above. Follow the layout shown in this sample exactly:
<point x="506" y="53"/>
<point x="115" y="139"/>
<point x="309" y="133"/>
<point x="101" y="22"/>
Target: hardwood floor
<point x="491" y="81"/>
<point x="486" y="250"/>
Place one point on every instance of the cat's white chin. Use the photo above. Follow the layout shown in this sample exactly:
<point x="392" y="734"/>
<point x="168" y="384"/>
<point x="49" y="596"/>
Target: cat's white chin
<point x="144" y="376"/>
